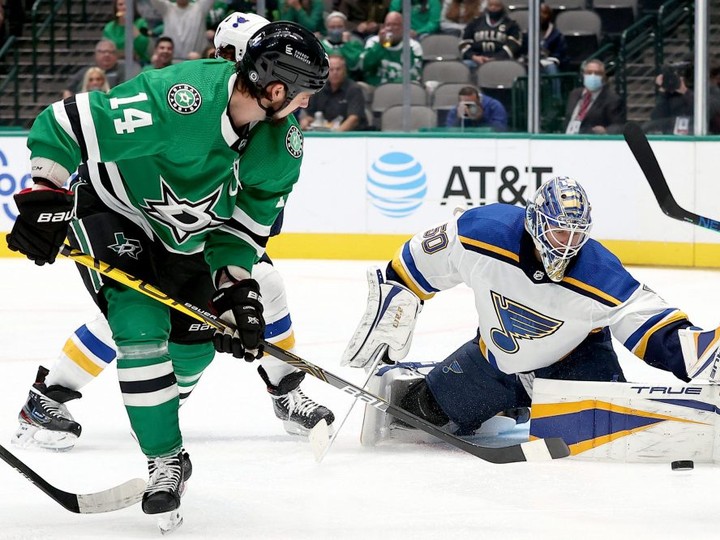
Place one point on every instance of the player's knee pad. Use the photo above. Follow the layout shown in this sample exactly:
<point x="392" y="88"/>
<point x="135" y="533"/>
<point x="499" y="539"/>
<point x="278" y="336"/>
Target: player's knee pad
<point x="191" y="359"/>
<point x="272" y="289"/>
<point x="140" y="325"/>
<point x="419" y="401"/>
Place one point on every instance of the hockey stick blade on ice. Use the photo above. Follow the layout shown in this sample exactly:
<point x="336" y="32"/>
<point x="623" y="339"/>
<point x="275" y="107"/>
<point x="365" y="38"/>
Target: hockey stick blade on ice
<point x="109" y="500"/>
<point x="537" y="450"/>
<point x="645" y="157"/>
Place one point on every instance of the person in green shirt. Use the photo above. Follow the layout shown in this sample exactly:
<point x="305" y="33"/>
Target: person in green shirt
<point x="425" y="16"/>
<point x="339" y="40"/>
<point x="381" y="61"/>
<point x="307" y="13"/>
<point x="164" y="192"/>
<point x="115" y="32"/>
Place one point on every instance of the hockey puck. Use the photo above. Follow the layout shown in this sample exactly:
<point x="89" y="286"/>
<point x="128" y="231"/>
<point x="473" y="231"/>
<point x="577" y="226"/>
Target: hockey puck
<point x="682" y="465"/>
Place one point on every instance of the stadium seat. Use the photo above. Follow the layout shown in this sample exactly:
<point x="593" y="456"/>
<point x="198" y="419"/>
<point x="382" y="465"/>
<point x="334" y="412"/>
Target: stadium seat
<point x="421" y="116"/>
<point x="447" y="71"/>
<point x="438" y="47"/>
<point x="390" y="94"/>
<point x="616" y="15"/>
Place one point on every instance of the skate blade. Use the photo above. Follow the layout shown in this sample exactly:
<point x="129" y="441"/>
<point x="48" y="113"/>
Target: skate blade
<point x="169" y="521"/>
<point x="319" y="438"/>
<point x="291" y="428"/>
<point x="28" y="436"/>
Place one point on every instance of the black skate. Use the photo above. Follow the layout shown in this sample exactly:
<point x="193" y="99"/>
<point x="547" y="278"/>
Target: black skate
<point x="166" y="484"/>
<point x="45" y="421"/>
<point x="298" y="412"/>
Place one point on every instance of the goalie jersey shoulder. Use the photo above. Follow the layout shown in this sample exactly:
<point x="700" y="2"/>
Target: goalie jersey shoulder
<point x="494" y="231"/>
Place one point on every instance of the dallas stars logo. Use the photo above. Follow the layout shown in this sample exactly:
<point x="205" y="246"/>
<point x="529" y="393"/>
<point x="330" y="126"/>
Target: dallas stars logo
<point x="183" y="217"/>
<point x="294" y="142"/>
<point x="184" y="99"/>
<point x="126" y="246"/>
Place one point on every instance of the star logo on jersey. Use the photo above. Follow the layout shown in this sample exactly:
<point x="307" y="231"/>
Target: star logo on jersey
<point x="294" y="142"/>
<point x="126" y="246"/>
<point x="183" y="217"/>
<point x="519" y="322"/>
<point x="184" y="99"/>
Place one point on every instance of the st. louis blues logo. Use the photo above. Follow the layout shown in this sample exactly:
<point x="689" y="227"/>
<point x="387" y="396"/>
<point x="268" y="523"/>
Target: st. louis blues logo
<point x="519" y="322"/>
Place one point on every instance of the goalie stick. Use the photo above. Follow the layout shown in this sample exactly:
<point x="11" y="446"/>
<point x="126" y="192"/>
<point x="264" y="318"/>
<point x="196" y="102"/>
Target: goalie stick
<point x="645" y="157"/>
<point x="536" y="450"/>
<point x="108" y="500"/>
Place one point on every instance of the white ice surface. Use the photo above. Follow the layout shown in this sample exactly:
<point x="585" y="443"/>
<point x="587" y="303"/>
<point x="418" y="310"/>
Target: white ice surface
<point x="251" y="480"/>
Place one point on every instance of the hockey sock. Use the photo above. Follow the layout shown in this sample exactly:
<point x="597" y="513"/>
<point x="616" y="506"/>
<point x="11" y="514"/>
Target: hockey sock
<point x="189" y="362"/>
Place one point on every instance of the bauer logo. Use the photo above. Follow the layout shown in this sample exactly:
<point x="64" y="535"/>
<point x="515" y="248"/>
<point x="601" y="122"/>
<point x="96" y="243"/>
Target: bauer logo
<point x="396" y="184"/>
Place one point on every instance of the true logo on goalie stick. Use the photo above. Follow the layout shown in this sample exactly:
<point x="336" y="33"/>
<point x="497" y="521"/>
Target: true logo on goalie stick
<point x="184" y="99"/>
<point x="294" y="142"/>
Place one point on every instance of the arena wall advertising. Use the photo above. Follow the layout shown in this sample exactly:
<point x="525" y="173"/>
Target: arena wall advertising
<point x="360" y="197"/>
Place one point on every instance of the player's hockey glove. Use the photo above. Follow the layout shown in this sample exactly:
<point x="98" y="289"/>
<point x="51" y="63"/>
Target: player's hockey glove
<point x="42" y="223"/>
<point x="239" y="305"/>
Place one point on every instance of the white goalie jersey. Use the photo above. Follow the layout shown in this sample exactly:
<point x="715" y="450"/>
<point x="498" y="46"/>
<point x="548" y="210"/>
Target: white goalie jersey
<point x="525" y="320"/>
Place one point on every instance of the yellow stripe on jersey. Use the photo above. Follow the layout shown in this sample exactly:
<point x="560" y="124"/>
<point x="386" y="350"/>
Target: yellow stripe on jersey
<point x="74" y="353"/>
<point x="642" y="344"/>
<point x="398" y="266"/>
<point x="592" y="290"/>
<point x="489" y="247"/>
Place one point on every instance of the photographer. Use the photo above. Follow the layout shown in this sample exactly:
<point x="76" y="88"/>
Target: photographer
<point x="477" y="110"/>
<point x="673" y="111"/>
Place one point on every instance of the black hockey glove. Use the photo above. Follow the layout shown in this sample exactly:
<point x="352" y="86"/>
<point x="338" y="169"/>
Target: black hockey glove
<point x="240" y="306"/>
<point x="42" y="223"/>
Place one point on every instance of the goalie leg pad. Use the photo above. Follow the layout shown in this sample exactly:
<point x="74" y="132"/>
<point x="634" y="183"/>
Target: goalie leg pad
<point x="388" y="320"/>
<point x="701" y="352"/>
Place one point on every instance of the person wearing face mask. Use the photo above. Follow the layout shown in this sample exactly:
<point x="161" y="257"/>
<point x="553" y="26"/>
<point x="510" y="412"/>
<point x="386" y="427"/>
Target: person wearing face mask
<point x="425" y="16"/>
<point x="595" y="108"/>
<point x="492" y="36"/>
<point x="339" y="40"/>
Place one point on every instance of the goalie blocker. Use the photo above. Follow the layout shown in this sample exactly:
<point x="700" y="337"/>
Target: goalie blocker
<point x="629" y="422"/>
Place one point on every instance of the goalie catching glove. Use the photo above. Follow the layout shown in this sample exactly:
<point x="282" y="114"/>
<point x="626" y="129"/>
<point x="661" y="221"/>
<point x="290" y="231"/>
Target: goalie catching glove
<point x="388" y="321"/>
<point x="240" y="305"/>
<point x="42" y="223"/>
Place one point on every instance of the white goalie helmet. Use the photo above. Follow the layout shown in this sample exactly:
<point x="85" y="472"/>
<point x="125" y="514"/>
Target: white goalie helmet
<point x="558" y="219"/>
<point x="235" y="31"/>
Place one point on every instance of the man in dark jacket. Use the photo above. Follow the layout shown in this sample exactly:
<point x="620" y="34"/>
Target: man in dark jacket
<point x="595" y="108"/>
<point x="492" y="36"/>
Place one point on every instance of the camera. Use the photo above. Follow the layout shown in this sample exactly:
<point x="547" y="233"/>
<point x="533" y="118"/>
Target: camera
<point x="468" y="109"/>
<point x="671" y="79"/>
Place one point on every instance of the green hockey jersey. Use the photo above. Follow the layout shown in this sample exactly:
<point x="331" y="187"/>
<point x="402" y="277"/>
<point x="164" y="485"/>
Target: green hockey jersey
<point x="161" y="150"/>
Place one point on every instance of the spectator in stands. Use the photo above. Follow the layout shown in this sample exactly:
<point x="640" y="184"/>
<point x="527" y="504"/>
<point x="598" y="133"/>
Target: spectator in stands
<point x="381" y="61"/>
<point x="106" y="58"/>
<point x="250" y="6"/>
<point x="341" y="101"/>
<point x="13" y="14"/>
<point x="184" y="22"/>
<point x="477" y="110"/>
<point x="95" y="81"/>
<point x="115" y="32"/>
<point x="492" y="36"/>
<point x="365" y="17"/>
<point x="674" y="105"/>
<point x="163" y="54"/>
<point x="456" y="14"/>
<point x="424" y="16"/>
<point x="595" y="108"/>
<point x="553" y="48"/>
<point x="339" y="40"/>
<point x="307" y="13"/>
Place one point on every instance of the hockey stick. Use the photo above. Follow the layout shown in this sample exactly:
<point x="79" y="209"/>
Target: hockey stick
<point x="108" y="500"/>
<point x="645" y="157"/>
<point x="537" y="450"/>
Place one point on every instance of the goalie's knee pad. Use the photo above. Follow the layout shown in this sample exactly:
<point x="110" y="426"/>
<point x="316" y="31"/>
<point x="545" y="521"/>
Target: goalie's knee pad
<point x="272" y="289"/>
<point x="419" y="401"/>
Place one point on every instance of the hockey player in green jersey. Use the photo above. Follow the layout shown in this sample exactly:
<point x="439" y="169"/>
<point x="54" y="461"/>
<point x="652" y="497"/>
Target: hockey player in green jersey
<point x="159" y="195"/>
<point x="46" y="422"/>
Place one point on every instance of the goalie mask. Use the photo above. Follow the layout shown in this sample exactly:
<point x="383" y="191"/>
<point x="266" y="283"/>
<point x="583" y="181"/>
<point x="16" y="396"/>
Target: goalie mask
<point x="558" y="219"/>
<point x="284" y="52"/>
<point x="234" y="32"/>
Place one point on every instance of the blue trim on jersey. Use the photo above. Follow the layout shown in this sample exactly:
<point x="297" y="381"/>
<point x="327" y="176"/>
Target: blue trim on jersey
<point x="278" y="327"/>
<point x="598" y="268"/>
<point x="497" y="224"/>
<point x="638" y="334"/>
<point x="94" y="345"/>
<point x="412" y="269"/>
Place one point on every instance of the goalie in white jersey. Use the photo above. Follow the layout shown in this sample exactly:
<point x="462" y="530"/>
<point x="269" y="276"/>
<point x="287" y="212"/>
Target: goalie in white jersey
<point x="547" y="299"/>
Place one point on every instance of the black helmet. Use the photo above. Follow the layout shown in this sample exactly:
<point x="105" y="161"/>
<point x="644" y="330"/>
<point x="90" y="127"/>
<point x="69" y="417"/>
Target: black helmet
<point x="288" y="53"/>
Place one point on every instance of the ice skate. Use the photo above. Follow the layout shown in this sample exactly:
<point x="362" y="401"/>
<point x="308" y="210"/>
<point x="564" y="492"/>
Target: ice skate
<point x="45" y="421"/>
<point x="165" y="489"/>
<point x="298" y="412"/>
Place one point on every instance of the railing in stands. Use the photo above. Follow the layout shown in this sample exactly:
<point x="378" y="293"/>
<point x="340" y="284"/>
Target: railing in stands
<point x="635" y="41"/>
<point x="670" y="16"/>
<point x="48" y="24"/>
<point x="11" y="47"/>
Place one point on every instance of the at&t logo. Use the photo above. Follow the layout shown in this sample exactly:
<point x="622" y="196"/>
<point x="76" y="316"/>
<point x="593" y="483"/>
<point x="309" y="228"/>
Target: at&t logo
<point x="396" y="184"/>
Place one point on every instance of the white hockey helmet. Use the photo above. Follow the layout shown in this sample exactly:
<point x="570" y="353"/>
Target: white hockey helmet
<point x="235" y="31"/>
<point x="558" y="219"/>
